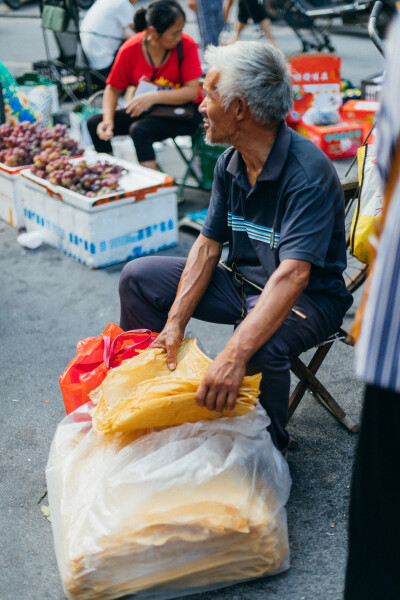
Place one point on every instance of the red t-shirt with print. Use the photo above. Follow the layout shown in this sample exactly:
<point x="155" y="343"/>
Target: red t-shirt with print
<point x="130" y="65"/>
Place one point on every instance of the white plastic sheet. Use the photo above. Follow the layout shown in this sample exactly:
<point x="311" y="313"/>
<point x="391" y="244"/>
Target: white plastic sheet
<point x="168" y="512"/>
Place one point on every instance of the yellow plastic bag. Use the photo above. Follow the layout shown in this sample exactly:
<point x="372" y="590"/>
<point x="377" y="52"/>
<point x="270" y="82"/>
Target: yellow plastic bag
<point x="143" y="393"/>
<point x="369" y="205"/>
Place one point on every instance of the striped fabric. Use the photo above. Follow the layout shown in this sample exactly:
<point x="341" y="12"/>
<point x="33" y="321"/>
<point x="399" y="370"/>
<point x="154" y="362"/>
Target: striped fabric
<point x="255" y="232"/>
<point x="377" y="353"/>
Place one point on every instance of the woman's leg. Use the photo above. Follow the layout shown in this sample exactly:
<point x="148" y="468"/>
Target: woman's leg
<point x="122" y="122"/>
<point x="147" y="130"/>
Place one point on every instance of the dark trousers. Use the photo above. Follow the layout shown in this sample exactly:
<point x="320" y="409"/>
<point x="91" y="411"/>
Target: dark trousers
<point x="373" y="571"/>
<point x="251" y="9"/>
<point x="143" y="131"/>
<point x="147" y="290"/>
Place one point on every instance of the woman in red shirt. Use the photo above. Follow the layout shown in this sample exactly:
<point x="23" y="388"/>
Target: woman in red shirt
<point x="151" y="55"/>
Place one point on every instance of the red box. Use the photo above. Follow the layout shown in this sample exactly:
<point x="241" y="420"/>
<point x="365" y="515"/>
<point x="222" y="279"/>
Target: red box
<point x="337" y="141"/>
<point x="361" y="110"/>
<point x="315" y="83"/>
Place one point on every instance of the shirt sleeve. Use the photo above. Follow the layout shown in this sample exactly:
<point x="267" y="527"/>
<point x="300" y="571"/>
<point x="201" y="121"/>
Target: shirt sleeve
<point x="307" y="226"/>
<point x="216" y="223"/>
<point x="191" y="65"/>
<point x="120" y="76"/>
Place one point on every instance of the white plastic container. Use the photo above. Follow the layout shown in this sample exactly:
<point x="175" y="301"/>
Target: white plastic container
<point x="109" y="229"/>
<point x="11" y="209"/>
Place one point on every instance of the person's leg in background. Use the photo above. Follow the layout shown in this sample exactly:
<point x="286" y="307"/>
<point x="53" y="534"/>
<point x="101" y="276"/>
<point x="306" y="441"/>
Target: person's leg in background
<point x="210" y="20"/>
<point x="240" y="23"/>
<point x="259" y="15"/>
<point x="374" y="523"/>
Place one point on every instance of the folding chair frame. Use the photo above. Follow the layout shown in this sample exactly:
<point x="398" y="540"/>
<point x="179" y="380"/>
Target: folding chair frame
<point x="308" y="381"/>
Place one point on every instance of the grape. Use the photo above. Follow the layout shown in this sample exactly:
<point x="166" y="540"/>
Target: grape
<point x="94" y="180"/>
<point x="27" y="140"/>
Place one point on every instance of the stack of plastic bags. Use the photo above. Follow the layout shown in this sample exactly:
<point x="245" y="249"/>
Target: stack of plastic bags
<point x="168" y="511"/>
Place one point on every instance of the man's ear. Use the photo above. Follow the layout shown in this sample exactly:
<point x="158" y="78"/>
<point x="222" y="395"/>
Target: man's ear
<point x="241" y="108"/>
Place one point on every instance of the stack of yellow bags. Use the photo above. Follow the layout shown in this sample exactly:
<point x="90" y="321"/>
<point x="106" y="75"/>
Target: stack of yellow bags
<point x="158" y="512"/>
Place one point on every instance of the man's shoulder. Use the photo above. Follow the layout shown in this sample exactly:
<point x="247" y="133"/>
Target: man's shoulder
<point x="305" y="157"/>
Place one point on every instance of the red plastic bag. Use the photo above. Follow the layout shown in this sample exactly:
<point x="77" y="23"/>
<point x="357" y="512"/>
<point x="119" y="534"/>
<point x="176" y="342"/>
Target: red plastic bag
<point x="95" y="356"/>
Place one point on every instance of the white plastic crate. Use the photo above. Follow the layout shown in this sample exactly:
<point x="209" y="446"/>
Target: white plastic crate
<point x="11" y="209"/>
<point x="109" y="229"/>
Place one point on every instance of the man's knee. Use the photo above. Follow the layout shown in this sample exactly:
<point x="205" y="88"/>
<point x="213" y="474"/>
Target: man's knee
<point x="133" y="273"/>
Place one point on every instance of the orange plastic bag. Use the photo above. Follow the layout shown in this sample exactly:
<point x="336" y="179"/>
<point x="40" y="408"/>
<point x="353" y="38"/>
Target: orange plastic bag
<point x="95" y="356"/>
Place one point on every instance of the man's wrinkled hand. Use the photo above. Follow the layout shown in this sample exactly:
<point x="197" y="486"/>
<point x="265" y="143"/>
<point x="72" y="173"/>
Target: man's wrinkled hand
<point x="220" y="385"/>
<point x="169" y="339"/>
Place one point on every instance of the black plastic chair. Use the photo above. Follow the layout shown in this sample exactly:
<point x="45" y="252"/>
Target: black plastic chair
<point x="70" y="69"/>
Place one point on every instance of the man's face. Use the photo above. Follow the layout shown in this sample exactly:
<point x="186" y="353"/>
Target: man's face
<point x="219" y="123"/>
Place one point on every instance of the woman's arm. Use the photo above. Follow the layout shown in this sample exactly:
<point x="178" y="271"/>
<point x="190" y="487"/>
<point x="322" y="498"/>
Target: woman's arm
<point x="105" y="129"/>
<point x="187" y="93"/>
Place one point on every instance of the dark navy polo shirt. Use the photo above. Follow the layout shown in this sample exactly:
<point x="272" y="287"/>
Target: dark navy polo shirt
<point x="294" y="210"/>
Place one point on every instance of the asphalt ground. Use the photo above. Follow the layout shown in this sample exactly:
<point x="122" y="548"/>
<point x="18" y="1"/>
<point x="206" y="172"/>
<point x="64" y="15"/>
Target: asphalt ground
<point x="49" y="302"/>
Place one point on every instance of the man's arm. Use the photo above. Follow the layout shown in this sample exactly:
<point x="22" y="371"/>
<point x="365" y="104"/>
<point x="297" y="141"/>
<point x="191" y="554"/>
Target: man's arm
<point x="221" y="383"/>
<point x="200" y="266"/>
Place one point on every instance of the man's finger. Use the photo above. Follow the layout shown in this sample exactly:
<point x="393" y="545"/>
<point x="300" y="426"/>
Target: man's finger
<point x="220" y="401"/>
<point x="230" y="403"/>
<point x="211" y="399"/>
<point x="171" y="356"/>
<point x="201" y="394"/>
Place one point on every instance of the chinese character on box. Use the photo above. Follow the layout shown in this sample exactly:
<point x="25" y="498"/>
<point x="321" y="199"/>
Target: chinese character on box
<point x="316" y="83"/>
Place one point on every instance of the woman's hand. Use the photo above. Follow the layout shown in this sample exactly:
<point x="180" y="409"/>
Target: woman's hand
<point x="141" y="103"/>
<point x="105" y="130"/>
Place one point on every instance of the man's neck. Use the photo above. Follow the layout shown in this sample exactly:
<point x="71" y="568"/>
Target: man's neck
<point x="254" y="146"/>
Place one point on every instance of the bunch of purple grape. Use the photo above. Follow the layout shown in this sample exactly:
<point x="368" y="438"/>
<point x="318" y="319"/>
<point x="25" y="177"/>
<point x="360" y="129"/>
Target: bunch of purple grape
<point x="20" y="144"/>
<point x="94" y="180"/>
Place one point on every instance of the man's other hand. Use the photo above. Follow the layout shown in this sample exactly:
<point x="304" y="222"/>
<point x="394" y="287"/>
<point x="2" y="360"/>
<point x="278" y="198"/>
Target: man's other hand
<point x="220" y="385"/>
<point x="169" y="339"/>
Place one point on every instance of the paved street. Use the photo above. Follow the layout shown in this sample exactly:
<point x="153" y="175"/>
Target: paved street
<point x="49" y="302"/>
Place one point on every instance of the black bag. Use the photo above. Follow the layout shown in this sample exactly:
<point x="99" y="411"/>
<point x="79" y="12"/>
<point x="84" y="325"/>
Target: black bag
<point x="177" y="112"/>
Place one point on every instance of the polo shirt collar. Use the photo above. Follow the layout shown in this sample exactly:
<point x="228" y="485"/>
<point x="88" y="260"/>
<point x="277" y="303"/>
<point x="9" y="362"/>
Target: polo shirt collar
<point x="275" y="161"/>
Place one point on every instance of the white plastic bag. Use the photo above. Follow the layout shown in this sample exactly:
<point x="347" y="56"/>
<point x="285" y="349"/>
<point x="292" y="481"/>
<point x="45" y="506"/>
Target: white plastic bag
<point x="168" y="512"/>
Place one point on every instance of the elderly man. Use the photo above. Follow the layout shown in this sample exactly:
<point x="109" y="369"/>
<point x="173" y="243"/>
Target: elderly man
<point x="277" y="200"/>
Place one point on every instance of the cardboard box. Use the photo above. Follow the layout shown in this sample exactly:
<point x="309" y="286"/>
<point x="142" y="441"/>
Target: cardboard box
<point x="109" y="229"/>
<point x="363" y="111"/>
<point x="337" y="141"/>
<point x="316" y="83"/>
<point x="11" y="209"/>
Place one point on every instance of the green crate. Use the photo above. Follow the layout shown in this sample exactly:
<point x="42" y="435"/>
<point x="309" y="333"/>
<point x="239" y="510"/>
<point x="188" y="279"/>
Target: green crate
<point x="208" y="156"/>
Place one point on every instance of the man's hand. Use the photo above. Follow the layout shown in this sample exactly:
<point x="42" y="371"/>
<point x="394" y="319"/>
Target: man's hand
<point x="220" y="385"/>
<point x="138" y="105"/>
<point x="105" y="130"/>
<point x="192" y="4"/>
<point x="169" y="339"/>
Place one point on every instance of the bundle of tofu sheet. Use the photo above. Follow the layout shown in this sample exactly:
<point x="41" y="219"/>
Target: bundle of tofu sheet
<point x="143" y="392"/>
<point x="166" y="512"/>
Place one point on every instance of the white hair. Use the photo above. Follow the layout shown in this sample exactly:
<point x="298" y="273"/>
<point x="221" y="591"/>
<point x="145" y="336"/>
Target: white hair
<point x="256" y="72"/>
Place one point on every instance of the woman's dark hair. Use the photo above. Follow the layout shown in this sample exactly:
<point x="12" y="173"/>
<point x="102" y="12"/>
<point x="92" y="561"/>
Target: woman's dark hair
<point x="160" y="14"/>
